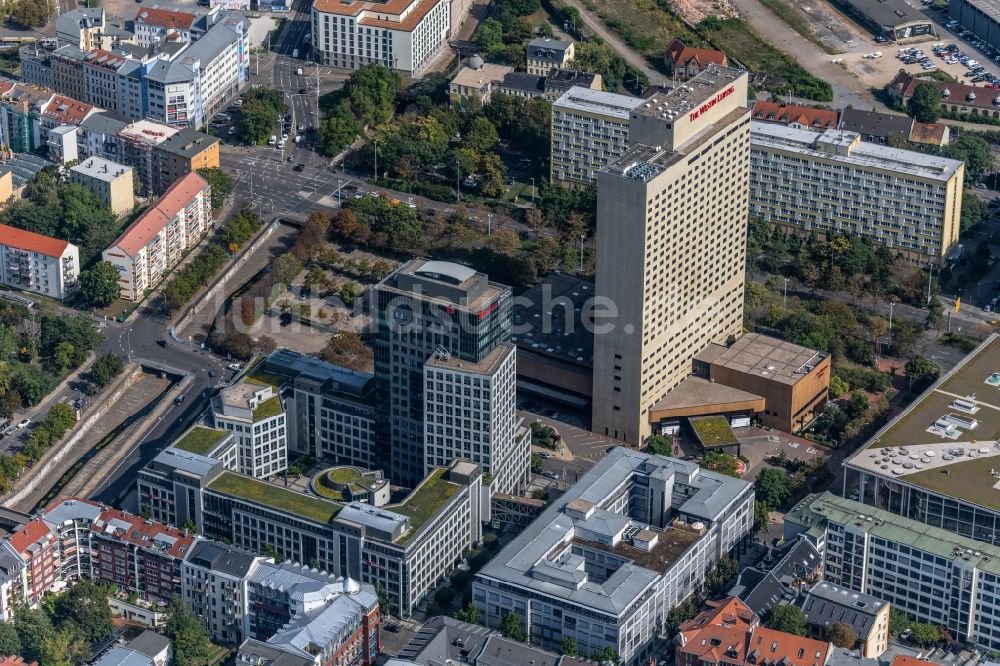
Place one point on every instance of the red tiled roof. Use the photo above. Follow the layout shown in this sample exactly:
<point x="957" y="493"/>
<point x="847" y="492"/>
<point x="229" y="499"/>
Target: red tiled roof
<point x="786" y="114"/>
<point x="899" y="660"/>
<point x="30" y="534"/>
<point x="66" y="110"/>
<point x="105" y="59"/>
<point x="724" y="612"/>
<point x="166" y="18"/>
<point x="932" y="133"/>
<point x="16" y="661"/>
<point x="152" y="222"/>
<point x="904" y="84"/>
<point x="681" y="54"/>
<point x="32" y="242"/>
<point x="769" y="646"/>
<point x="142" y="532"/>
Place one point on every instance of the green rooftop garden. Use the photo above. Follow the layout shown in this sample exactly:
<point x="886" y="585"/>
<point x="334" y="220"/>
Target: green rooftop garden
<point x="200" y="440"/>
<point x="262" y="376"/>
<point x="245" y="487"/>
<point x="344" y="475"/>
<point x="425" y="501"/>
<point x="267" y="409"/>
<point x="713" y="431"/>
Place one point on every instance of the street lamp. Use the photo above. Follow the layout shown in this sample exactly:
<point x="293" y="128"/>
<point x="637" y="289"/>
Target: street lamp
<point x="340" y="193"/>
<point x="376" y="160"/>
<point x="582" y="236"/>
<point x="891" y="305"/>
<point x="489" y="224"/>
<point x="784" y="297"/>
<point x="532" y="191"/>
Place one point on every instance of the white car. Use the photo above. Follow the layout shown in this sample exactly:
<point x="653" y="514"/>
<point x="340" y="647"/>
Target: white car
<point x="234" y="366"/>
<point x="232" y="130"/>
<point x="23" y="424"/>
<point x="273" y="140"/>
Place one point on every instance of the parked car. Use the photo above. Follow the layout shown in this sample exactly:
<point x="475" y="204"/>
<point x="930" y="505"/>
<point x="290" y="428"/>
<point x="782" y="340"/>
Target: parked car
<point x="273" y="140"/>
<point x="24" y="423"/>
<point x="234" y="366"/>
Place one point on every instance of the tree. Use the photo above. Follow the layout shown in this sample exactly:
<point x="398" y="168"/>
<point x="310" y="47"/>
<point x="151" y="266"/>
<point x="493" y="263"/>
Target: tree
<point x="761" y="517"/>
<point x="384" y="600"/>
<point x="468" y="614"/>
<point x="974" y="210"/>
<point x="339" y="129"/>
<point x="64" y="648"/>
<point x="898" y="622"/>
<point x="371" y="92"/>
<point x="568" y="647"/>
<point x="723" y="463"/>
<point x="924" y="634"/>
<point x="925" y="105"/>
<point x="348" y="349"/>
<point x="660" y="445"/>
<point x="34" y="628"/>
<point x="920" y="371"/>
<point x="222" y="184"/>
<point x="838" y="387"/>
<point x="189" y="634"/>
<point x="771" y="487"/>
<point x="190" y="526"/>
<point x="255" y="122"/>
<point x="975" y="152"/>
<point x="285" y="268"/>
<point x="30" y="13"/>
<point x="842" y="635"/>
<point x="788" y="618"/>
<point x="100" y="284"/>
<point x="511" y="627"/>
<point x="84" y="609"/>
<point x="10" y="642"/>
<point x="106" y="368"/>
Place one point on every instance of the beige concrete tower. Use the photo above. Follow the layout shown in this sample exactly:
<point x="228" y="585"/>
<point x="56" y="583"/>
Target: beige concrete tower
<point x="671" y="245"/>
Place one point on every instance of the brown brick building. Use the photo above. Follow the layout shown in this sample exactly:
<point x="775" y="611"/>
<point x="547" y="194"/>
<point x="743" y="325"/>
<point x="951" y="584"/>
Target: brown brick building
<point x="180" y="154"/>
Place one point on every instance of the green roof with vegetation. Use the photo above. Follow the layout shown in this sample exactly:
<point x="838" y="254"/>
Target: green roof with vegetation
<point x="267" y="409"/>
<point x="713" y="431"/>
<point x="344" y="475"/>
<point x="425" y="501"/>
<point x="300" y="504"/>
<point x="200" y="440"/>
<point x="262" y="376"/>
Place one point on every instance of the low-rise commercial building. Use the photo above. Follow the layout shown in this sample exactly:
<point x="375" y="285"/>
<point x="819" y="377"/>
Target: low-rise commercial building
<point x="980" y="17"/>
<point x="110" y="181"/>
<point x="155" y="242"/>
<point x="405" y="35"/>
<point x="544" y="53"/>
<point x="590" y="129"/>
<point x="36" y="263"/>
<point x="894" y="129"/>
<point x="895" y="20"/>
<point x="331" y="409"/>
<point x="253" y="413"/>
<point x="931" y="574"/>
<point x="793" y="380"/>
<point x="550" y="86"/>
<point x="955" y="97"/>
<point x="605" y="562"/>
<point x="833" y="182"/>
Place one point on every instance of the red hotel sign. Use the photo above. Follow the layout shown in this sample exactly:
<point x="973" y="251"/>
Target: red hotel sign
<point x="710" y="103"/>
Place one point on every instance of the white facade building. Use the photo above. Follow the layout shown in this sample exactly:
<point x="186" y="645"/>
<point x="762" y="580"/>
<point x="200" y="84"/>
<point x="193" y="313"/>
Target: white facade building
<point x="470" y="412"/>
<point x="609" y="559"/>
<point x="155" y="242"/>
<point x="37" y="263"/>
<point x="404" y="35"/>
<point x="256" y="417"/>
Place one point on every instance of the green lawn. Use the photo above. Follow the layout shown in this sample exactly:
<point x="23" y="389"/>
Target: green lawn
<point x="425" y="501"/>
<point x="713" y="431"/>
<point x="344" y="475"/>
<point x="271" y="495"/>
<point x="200" y="440"/>
<point x="267" y="409"/>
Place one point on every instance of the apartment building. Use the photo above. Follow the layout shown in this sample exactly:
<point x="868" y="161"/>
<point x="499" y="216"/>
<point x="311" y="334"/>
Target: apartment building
<point x="183" y="153"/>
<point x="826" y="605"/>
<point x="544" y="53"/>
<point x="331" y="409"/>
<point x="103" y="79"/>
<point x="98" y="136"/>
<point x="253" y="413"/>
<point x="833" y="182"/>
<point x="470" y="412"/>
<point x="155" y="25"/>
<point x="67" y="73"/>
<point x="422" y="308"/>
<point x="685" y="62"/>
<point x="136" y="143"/>
<point x="796" y="116"/>
<point x="474" y="85"/>
<point x="83" y="28"/>
<point x="36" y="263"/>
<point x="21" y="105"/>
<point x="75" y="538"/>
<point x="109" y="181"/>
<point x="950" y="426"/>
<point x="931" y="574"/>
<point x="590" y="128"/>
<point x="606" y="561"/>
<point x="405" y="35"/>
<point x="679" y="192"/>
<point x="213" y="583"/>
<point x="155" y="242"/>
